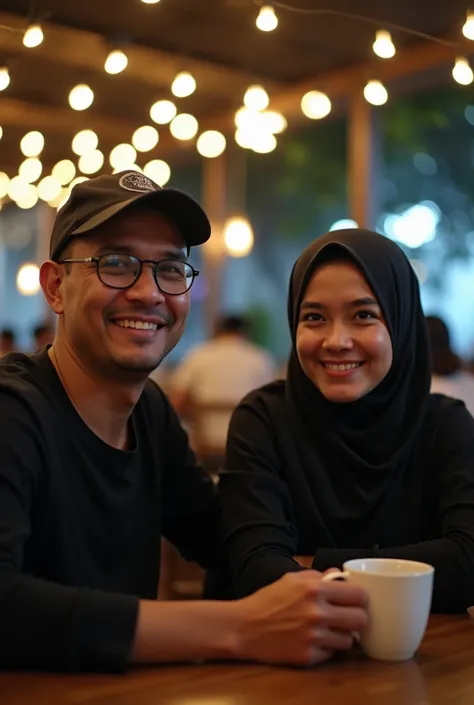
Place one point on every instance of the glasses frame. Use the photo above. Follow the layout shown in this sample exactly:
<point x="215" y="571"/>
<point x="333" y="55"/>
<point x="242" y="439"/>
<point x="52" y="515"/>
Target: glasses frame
<point x="141" y="262"/>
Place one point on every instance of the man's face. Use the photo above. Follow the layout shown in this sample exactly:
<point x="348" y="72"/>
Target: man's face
<point x="96" y="320"/>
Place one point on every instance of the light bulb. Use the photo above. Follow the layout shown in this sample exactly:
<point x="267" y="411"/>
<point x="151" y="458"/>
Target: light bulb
<point x="315" y="105"/>
<point x="30" y="170"/>
<point x="85" y="141"/>
<point x="145" y="138"/>
<point x="184" y="127"/>
<point x="122" y="156"/>
<point x="29" y="199"/>
<point x="158" y="171"/>
<point x="27" y="279"/>
<point x="264" y="143"/>
<point x="116" y="62"/>
<point x="256" y="98"/>
<point x="1" y="132"/>
<point x="267" y="21"/>
<point x="468" y="29"/>
<point x="49" y="188"/>
<point x="33" y="36"/>
<point x="462" y="72"/>
<point x="163" y="111"/>
<point x="238" y="236"/>
<point x="274" y="122"/>
<point x="32" y="144"/>
<point x="81" y="97"/>
<point x="211" y="144"/>
<point x="18" y="188"/>
<point x="4" y="78"/>
<point x="150" y="2"/>
<point x="183" y="85"/>
<point x="383" y="45"/>
<point x="91" y="162"/>
<point x="64" y="171"/>
<point x="375" y="93"/>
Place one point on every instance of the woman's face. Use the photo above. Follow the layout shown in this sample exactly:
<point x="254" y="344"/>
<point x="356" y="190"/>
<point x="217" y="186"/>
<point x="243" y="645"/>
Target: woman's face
<point x="342" y="340"/>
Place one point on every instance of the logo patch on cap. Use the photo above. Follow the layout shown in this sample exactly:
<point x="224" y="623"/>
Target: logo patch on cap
<point x="133" y="181"/>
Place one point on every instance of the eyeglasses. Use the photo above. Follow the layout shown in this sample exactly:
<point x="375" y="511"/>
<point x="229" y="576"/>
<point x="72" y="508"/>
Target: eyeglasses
<point x="119" y="271"/>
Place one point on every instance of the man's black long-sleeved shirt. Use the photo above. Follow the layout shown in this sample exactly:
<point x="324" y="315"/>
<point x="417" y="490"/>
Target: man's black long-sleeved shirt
<point x="81" y="522"/>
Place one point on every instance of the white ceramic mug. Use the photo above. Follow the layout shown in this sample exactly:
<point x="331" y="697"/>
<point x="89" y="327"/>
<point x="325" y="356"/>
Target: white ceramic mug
<point x="399" y="604"/>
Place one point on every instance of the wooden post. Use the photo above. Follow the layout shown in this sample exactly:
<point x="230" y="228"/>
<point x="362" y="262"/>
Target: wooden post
<point x="364" y="161"/>
<point x="214" y="189"/>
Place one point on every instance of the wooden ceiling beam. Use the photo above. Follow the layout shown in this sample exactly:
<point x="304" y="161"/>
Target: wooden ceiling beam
<point x="87" y="51"/>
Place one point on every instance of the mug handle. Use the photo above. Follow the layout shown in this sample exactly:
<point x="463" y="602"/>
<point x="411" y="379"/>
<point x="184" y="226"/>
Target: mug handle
<point x="335" y="575"/>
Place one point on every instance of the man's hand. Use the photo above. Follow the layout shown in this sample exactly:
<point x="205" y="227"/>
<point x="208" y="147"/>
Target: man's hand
<point x="300" y="620"/>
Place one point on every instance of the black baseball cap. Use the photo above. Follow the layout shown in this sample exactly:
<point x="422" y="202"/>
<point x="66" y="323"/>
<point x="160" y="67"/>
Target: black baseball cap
<point x="94" y="201"/>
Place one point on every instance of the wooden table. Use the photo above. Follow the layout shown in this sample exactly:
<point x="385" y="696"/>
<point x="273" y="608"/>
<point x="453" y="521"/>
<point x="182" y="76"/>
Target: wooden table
<point x="442" y="673"/>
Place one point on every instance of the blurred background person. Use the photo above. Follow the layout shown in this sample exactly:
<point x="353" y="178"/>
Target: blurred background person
<point x="7" y="341"/>
<point x="448" y="375"/>
<point x="213" y="378"/>
<point x="43" y="335"/>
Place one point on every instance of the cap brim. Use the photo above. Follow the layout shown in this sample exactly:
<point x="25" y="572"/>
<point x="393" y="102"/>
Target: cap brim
<point x="180" y="208"/>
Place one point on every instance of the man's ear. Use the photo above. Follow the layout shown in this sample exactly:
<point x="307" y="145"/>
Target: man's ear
<point x="51" y="278"/>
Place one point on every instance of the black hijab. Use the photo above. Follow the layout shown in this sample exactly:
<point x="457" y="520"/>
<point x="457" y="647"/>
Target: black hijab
<point x="351" y="451"/>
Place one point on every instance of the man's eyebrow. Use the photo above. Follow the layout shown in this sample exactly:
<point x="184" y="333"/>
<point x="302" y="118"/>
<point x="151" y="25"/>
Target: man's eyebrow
<point x="110" y="248"/>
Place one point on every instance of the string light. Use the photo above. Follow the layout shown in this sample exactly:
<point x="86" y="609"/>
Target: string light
<point x="122" y="156"/>
<point x="163" y="111"/>
<point x="183" y="85"/>
<point x="462" y="72"/>
<point x="4" y="78"/>
<point x="18" y="188"/>
<point x="211" y="144"/>
<point x="256" y="98"/>
<point x="33" y="36"/>
<point x="383" y="45"/>
<point x="85" y="141"/>
<point x="158" y="171"/>
<point x="49" y="188"/>
<point x="30" y="169"/>
<point x="27" y="279"/>
<point x="91" y="162"/>
<point x="145" y="138"/>
<point x="32" y="144"/>
<point x="274" y="121"/>
<point x="468" y="28"/>
<point x="81" y="97"/>
<point x="30" y="199"/>
<point x="116" y="62"/>
<point x="315" y="105"/>
<point x="238" y="236"/>
<point x="375" y="93"/>
<point x="64" y="171"/>
<point x="184" y="127"/>
<point x="267" y="20"/>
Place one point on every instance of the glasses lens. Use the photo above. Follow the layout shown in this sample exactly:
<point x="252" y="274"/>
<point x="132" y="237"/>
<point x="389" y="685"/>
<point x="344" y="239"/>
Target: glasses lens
<point x="174" y="276"/>
<point x="118" y="271"/>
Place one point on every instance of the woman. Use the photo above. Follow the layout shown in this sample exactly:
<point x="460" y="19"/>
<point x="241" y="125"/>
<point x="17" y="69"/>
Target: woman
<point x="351" y="456"/>
<point x="448" y="376"/>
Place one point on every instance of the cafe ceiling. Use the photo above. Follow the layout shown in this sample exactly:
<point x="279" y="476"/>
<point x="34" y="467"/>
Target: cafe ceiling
<point x="215" y="40"/>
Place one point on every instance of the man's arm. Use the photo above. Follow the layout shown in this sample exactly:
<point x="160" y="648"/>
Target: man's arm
<point x="55" y="627"/>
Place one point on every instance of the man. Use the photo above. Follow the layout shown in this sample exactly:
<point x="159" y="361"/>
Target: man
<point x="95" y="467"/>
<point x="216" y="375"/>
